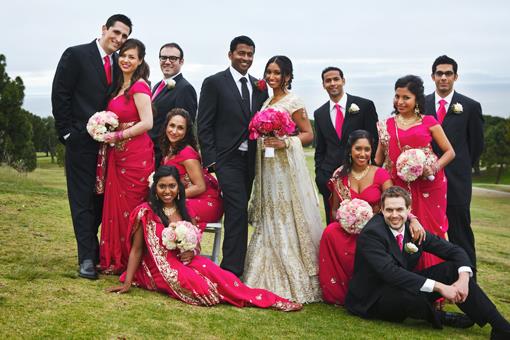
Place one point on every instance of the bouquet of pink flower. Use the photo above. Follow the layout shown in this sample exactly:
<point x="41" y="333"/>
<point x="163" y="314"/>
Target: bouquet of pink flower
<point x="353" y="215"/>
<point x="410" y="164"/>
<point x="271" y="122"/>
<point x="100" y="123"/>
<point x="181" y="235"/>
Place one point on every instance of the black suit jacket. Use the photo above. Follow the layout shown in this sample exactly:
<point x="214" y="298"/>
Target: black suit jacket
<point x="183" y="96"/>
<point x="222" y="120"/>
<point x="465" y="132"/>
<point x="330" y="150"/>
<point x="80" y="89"/>
<point x="379" y="262"/>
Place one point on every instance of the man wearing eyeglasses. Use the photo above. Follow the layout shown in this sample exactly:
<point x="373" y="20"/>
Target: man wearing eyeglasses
<point x="462" y="122"/>
<point x="173" y="91"/>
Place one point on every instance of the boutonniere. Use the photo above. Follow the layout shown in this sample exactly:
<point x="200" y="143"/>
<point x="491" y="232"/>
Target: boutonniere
<point x="457" y="108"/>
<point x="410" y="248"/>
<point x="354" y="108"/>
<point x="170" y="83"/>
<point x="260" y="85"/>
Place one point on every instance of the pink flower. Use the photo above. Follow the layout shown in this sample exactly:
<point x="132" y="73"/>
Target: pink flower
<point x="353" y="215"/>
<point x="271" y="122"/>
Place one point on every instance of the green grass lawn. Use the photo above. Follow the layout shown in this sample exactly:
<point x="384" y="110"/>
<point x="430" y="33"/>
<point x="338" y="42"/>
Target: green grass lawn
<point x="41" y="296"/>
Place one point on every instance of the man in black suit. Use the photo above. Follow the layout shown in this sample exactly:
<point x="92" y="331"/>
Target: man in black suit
<point x="85" y="76"/>
<point x="227" y="101"/>
<point x="384" y="285"/>
<point x="334" y="121"/>
<point x="173" y="91"/>
<point x="462" y="122"/>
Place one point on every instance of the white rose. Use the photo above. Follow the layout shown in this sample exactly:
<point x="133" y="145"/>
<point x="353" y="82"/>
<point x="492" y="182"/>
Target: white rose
<point x="170" y="83"/>
<point x="457" y="108"/>
<point x="410" y="247"/>
<point x="354" y="108"/>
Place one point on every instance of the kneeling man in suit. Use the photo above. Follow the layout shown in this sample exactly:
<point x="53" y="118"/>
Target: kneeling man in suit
<point x="384" y="286"/>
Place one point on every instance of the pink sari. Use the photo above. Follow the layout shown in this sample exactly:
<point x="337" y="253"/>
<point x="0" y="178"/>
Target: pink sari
<point x="128" y="164"/>
<point x="428" y="197"/>
<point x="201" y="282"/>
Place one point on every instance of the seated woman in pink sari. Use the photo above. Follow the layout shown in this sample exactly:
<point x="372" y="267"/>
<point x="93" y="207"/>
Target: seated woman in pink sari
<point x="185" y="276"/>
<point x="129" y="156"/>
<point x="355" y="179"/>
<point x="178" y="145"/>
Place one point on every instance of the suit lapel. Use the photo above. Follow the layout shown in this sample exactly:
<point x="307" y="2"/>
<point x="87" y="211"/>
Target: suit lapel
<point x="231" y="84"/>
<point x="97" y="63"/>
<point x="449" y="113"/>
<point x="394" y="249"/>
<point x="346" y="114"/>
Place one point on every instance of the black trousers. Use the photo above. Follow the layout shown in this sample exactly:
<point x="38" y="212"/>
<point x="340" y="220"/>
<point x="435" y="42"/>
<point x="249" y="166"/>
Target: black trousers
<point x="459" y="229"/>
<point x="321" y="179"/>
<point x="86" y="206"/>
<point x="235" y="179"/>
<point x="397" y="304"/>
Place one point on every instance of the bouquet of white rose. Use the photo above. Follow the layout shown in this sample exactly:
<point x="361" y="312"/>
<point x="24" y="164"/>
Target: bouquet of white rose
<point x="100" y="123"/>
<point x="181" y="235"/>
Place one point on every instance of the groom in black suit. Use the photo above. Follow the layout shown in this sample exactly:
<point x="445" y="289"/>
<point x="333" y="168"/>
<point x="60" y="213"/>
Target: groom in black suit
<point x="462" y="122"/>
<point x="384" y="285"/>
<point x="173" y="91"/>
<point x="85" y="77"/>
<point x="228" y="100"/>
<point x="332" y="130"/>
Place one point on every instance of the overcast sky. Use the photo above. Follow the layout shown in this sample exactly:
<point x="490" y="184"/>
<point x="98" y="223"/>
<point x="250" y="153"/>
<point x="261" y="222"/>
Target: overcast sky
<point x="373" y="42"/>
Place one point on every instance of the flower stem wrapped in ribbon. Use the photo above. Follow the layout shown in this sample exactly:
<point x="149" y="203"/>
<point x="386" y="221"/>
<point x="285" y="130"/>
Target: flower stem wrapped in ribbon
<point x="410" y="164"/>
<point x="181" y="235"/>
<point x="100" y="123"/>
<point x="271" y="123"/>
<point x="353" y="215"/>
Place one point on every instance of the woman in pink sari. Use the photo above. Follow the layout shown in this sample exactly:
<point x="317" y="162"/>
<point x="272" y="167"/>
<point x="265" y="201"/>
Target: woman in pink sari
<point x="410" y="129"/>
<point x="129" y="156"/>
<point x="357" y="178"/>
<point x="185" y="276"/>
<point x="178" y="145"/>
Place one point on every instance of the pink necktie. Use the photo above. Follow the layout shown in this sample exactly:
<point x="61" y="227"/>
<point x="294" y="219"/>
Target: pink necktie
<point x="400" y="239"/>
<point x="159" y="89"/>
<point x="441" y="112"/>
<point x="108" y="69"/>
<point x="339" y="121"/>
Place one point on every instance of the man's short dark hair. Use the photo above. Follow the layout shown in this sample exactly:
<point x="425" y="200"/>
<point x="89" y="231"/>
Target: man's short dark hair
<point x="332" y="68"/>
<point x="119" y="17"/>
<point x="242" y="39"/>
<point x="444" y="59"/>
<point x="396" y="191"/>
<point x="174" y="45"/>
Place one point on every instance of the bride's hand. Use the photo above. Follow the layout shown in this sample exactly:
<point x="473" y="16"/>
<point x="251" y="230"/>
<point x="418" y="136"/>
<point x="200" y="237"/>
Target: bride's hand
<point x="119" y="289"/>
<point x="273" y="142"/>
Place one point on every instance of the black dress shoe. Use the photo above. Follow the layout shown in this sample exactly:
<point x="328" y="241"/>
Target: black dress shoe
<point x="87" y="270"/>
<point x="456" y="320"/>
<point x="497" y="334"/>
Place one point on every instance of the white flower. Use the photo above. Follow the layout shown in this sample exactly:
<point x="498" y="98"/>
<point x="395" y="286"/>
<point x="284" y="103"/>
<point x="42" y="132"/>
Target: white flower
<point x="410" y="247"/>
<point x="457" y="108"/>
<point x="353" y="108"/>
<point x="170" y="83"/>
<point x="150" y="179"/>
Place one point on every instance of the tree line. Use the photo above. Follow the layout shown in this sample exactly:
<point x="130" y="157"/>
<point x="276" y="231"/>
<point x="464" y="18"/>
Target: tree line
<point x="22" y="133"/>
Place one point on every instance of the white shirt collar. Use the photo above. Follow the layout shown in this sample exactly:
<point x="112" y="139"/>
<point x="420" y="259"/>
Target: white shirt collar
<point x="172" y="77"/>
<point x="342" y="102"/>
<point x="236" y="75"/>
<point x="448" y="98"/>
<point x="102" y="52"/>
<point x="395" y="233"/>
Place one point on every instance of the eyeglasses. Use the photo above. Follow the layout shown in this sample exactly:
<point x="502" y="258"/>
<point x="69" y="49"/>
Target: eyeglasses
<point x="439" y="74"/>
<point x="171" y="58"/>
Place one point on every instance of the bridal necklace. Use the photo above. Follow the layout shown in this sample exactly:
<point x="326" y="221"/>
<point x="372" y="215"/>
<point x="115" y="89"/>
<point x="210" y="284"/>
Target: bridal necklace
<point x="360" y="175"/>
<point x="405" y="122"/>
<point x="169" y="211"/>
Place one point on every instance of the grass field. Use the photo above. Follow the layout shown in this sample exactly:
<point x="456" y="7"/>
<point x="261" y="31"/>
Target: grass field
<point x="41" y="296"/>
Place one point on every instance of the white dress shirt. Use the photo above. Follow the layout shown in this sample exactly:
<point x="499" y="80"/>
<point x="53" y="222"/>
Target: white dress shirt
<point x="447" y="99"/>
<point x="237" y="78"/>
<point x="332" y="109"/>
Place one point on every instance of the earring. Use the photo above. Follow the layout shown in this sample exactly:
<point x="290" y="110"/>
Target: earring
<point x="417" y="110"/>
